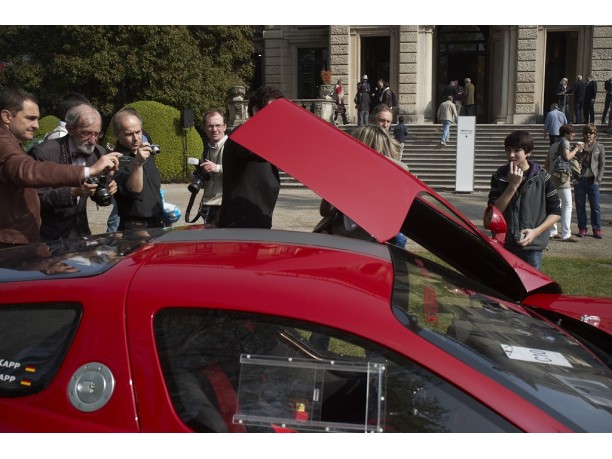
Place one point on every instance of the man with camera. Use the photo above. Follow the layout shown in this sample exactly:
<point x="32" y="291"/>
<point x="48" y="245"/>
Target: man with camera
<point x="209" y="174"/>
<point x="64" y="209"/>
<point x="20" y="174"/>
<point x="138" y="197"/>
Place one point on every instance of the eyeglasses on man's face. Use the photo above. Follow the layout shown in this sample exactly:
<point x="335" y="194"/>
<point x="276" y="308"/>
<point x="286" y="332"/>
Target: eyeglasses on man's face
<point x="85" y="134"/>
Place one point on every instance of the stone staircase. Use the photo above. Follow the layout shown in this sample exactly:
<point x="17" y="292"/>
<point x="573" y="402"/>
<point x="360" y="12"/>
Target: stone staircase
<point x="435" y="164"/>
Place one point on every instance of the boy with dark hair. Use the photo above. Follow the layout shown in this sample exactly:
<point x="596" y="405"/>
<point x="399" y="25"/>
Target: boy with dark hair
<point x="523" y="191"/>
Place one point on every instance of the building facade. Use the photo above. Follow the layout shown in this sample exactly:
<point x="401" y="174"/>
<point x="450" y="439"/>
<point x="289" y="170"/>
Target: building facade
<point x="515" y="69"/>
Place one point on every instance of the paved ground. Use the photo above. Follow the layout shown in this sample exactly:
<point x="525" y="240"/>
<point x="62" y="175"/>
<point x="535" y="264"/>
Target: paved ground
<point x="298" y="210"/>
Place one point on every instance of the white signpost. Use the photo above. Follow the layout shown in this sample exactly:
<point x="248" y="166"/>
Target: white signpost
<point x="466" y="133"/>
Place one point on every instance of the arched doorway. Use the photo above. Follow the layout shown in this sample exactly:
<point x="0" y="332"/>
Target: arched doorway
<point x="462" y="53"/>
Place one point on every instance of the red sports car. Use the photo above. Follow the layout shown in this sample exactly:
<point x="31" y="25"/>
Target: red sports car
<point x="243" y="330"/>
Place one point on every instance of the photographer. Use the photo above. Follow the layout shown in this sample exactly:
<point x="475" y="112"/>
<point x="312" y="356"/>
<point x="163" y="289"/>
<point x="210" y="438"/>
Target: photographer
<point x="64" y="209"/>
<point x="138" y="197"/>
<point x="214" y="126"/>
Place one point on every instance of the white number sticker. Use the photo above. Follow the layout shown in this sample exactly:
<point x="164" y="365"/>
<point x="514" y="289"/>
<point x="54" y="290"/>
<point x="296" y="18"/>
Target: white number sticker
<point x="535" y="355"/>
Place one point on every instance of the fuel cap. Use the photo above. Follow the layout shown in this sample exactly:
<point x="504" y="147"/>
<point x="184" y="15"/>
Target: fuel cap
<point x="91" y="387"/>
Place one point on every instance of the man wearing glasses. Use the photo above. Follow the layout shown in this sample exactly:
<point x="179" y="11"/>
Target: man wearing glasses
<point x="64" y="209"/>
<point x="212" y="164"/>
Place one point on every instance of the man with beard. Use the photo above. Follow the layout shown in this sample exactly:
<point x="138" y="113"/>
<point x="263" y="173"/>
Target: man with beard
<point x="64" y="209"/>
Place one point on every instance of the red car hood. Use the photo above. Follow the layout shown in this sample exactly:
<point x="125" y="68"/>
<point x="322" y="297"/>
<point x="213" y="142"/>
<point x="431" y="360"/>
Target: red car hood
<point x="380" y="196"/>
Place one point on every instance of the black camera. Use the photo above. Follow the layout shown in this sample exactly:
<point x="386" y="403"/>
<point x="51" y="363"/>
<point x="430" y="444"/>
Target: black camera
<point x="155" y="149"/>
<point x="102" y="195"/>
<point x="200" y="176"/>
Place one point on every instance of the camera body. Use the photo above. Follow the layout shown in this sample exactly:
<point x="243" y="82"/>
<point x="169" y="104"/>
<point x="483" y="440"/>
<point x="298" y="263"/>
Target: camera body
<point x="102" y="195"/>
<point x="155" y="150"/>
<point x="200" y="176"/>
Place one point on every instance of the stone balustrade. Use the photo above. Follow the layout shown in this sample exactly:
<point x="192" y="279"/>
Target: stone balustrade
<point x="323" y="108"/>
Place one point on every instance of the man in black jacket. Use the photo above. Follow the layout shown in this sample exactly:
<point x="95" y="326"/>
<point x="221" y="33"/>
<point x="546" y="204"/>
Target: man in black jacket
<point x="138" y="197"/>
<point x="250" y="183"/>
<point x="590" y="93"/>
<point x="64" y="209"/>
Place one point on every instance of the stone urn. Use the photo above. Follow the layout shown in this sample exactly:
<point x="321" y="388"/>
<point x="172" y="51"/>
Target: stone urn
<point x="237" y="92"/>
<point x="326" y="91"/>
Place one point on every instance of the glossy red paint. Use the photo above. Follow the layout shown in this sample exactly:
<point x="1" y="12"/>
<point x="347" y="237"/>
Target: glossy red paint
<point x="575" y="307"/>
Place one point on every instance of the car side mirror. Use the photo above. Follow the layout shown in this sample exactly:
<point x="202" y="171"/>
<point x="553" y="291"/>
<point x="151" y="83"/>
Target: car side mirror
<point x="495" y="222"/>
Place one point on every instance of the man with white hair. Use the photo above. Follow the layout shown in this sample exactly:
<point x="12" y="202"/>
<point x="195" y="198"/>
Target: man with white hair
<point x="64" y="209"/>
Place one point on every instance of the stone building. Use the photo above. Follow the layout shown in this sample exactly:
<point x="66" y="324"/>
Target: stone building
<point x="515" y="69"/>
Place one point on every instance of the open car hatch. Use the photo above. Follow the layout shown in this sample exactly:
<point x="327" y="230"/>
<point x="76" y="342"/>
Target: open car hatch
<point x="381" y="197"/>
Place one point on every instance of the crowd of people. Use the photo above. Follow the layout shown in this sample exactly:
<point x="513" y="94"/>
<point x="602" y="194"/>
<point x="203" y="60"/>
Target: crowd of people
<point x="46" y="190"/>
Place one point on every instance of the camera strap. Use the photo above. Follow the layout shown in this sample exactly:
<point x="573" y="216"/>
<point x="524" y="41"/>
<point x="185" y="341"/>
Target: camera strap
<point x="189" y="206"/>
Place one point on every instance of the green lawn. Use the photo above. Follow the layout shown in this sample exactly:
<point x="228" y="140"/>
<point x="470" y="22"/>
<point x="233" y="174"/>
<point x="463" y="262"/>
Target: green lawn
<point x="580" y="276"/>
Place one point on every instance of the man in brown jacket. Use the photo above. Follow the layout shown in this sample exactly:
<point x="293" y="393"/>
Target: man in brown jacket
<point x="21" y="174"/>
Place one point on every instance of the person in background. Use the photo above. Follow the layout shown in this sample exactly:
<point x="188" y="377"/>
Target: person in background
<point x="378" y="139"/>
<point x="212" y="164"/>
<point x="608" y="89"/>
<point x="447" y="115"/>
<point x="382" y="116"/>
<point x="20" y="174"/>
<point x="563" y="93"/>
<point x="562" y="181"/>
<point x="590" y="93"/>
<point x="364" y="84"/>
<point x="593" y="159"/>
<point x="69" y="100"/>
<point x="578" y="90"/>
<point x="469" y="99"/>
<point x="458" y="97"/>
<point x="400" y="132"/>
<point x="139" y="200"/>
<point x="362" y="103"/>
<point x="64" y="209"/>
<point x="525" y="194"/>
<point x="250" y="183"/>
<point x="553" y="122"/>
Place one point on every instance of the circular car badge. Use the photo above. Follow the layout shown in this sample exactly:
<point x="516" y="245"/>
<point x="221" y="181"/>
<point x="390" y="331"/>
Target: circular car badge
<point x="91" y="387"/>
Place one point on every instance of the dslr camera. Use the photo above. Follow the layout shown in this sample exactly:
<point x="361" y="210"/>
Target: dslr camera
<point x="200" y="176"/>
<point x="155" y="149"/>
<point x="102" y="195"/>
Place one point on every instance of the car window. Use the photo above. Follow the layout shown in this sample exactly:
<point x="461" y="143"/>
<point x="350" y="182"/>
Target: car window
<point x="233" y="372"/>
<point x="502" y="340"/>
<point x="35" y="339"/>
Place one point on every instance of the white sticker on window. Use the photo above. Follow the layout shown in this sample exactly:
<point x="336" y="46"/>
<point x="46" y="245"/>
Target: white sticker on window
<point x="535" y="355"/>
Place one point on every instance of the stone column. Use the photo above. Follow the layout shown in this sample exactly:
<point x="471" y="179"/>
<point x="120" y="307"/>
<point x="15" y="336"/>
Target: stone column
<point x="424" y="109"/>
<point x="525" y="108"/>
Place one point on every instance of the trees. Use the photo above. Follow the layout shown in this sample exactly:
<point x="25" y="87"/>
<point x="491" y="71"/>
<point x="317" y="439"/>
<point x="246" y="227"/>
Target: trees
<point x="180" y="66"/>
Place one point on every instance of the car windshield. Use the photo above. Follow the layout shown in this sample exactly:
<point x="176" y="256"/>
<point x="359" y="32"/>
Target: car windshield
<point x="522" y="352"/>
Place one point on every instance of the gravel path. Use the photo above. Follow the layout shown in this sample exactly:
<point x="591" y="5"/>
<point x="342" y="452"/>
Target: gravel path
<point x="298" y="210"/>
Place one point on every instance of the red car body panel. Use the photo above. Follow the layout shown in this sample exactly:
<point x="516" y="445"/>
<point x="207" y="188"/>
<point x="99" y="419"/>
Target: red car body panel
<point x="366" y="315"/>
<point x="575" y="307"/>
<point x="101" y="337"/>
